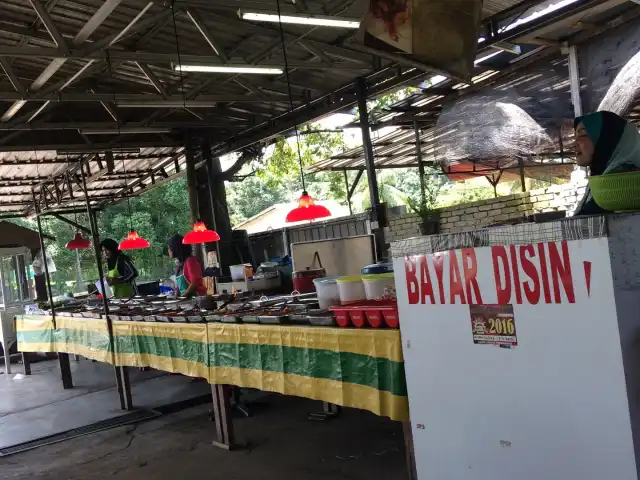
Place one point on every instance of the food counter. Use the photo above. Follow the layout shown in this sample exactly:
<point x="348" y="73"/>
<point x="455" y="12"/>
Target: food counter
<point x="521" y="350"/>
<point x="353" y="368"/>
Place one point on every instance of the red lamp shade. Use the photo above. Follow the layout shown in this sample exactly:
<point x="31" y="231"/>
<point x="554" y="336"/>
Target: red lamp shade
<point x="307" y="210"/>
<point x="133" y="242"/>
<point x="78" y="242"/>
<point x="200" y="234"/>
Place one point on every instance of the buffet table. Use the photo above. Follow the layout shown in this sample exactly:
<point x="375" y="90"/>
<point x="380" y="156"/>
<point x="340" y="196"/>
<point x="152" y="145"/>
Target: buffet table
<point x="353" y="368"/>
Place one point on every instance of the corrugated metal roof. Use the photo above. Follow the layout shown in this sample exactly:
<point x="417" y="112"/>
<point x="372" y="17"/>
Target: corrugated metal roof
<point x="540" y="78"/>
<point x="85" y="89"/>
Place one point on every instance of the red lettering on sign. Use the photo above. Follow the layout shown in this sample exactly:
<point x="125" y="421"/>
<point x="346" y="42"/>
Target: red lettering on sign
<point x="561" y="272"/>
<point x="503" y="288"/>
<point x="413" y="287"/>
<point x="531" y="287"/>
<point x="544" y="273"/>
<point x="455" y="280"/>
<point x="438" y="266"/>
<point x="426" y="287"/>
<point x="470" y="269"/>
<point x="516" y="274"/>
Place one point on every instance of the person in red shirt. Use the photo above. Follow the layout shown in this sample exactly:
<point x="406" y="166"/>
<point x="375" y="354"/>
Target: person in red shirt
<point x="189" y="280"/>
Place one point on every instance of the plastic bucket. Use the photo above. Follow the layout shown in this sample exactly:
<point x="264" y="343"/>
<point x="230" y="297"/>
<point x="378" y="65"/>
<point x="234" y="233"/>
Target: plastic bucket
<point x="351" y="289"/>
<point x="327" y="290"/>
<point x="237" y="273"/>
<point x="375" y="285"/>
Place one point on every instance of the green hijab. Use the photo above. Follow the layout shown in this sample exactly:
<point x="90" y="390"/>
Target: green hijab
<point x="617" y="146"/>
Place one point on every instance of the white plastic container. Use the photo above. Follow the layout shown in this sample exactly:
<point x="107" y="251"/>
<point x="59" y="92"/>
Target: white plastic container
<point x="108" y="293"/>
<point x="327" y="290"/>
<point x="351" y="289"/>
<point x="377" y="285"/>
<point x="237" y="273"/>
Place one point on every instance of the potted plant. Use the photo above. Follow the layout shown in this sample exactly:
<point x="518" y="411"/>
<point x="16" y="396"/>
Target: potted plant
<point x="429" y="216"/>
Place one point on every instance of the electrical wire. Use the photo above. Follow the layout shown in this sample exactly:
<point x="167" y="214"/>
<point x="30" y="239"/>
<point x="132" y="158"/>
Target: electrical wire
<point x="119" y="138"/>
<point x="286" y="72"/>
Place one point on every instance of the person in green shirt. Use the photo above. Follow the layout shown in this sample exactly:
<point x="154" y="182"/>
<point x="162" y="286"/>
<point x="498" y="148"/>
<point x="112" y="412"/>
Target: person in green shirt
<point x="121" y="273"/>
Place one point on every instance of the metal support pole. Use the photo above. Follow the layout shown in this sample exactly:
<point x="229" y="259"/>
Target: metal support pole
<point x="423" y="190"/>
<point x="222" y="417"/>
<point x="379" y="218"/>
<point x="63" y="358"/>
<point x="122" y="375"/>
<point x="366" y="142"/>
<point x="346" y="184"/>
<point x="574" y="81"/>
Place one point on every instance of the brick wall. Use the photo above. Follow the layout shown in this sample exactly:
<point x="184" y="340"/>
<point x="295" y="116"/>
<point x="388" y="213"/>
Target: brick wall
<point x="495" y="211"/>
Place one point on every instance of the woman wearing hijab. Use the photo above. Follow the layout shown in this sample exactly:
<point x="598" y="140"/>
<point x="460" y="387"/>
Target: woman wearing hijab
<point x="189" y="280"/>
<point x="121" y="273"/>
<point x="606" y="143"/>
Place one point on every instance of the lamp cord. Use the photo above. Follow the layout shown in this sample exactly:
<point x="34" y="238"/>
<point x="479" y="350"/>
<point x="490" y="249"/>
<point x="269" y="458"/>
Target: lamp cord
<point x="175" y="32"/>
<point x="286" y="72"/>
<point x="124" y="168"/>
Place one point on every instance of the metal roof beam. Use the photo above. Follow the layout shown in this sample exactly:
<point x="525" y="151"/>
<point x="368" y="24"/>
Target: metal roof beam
<point x="96" y="20"/>
<point x="94" y="147"/>
<point x="135" y="26"/>
<point x="342" y="98"/>
<point x="85" y="32"/>
<point x="153" y="79"/>
<point x="151" y="57"/>
<point x="204" y="31"/>
<point x="141" y="100"/>
<point x="8" y="70"/>
<point x="47" y="21"/>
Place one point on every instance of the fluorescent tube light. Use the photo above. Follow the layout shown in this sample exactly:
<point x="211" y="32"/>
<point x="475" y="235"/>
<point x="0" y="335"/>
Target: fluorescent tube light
<point x="229" y="69"/>
<point x="123" y="130"/>
<point x="316" y="20"/>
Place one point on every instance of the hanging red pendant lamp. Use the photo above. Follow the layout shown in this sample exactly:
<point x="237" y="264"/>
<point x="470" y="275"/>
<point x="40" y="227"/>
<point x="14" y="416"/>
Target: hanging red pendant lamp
<point x="200" y="234"/>
<point x="78" y="242"/>
<point x="307" y="210"/>
<point x="133" y="242"/>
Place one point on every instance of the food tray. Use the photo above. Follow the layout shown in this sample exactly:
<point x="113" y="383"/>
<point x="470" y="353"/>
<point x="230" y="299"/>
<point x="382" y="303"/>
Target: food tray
<point x="299" y="319"/>
<point x="273" y="319"/>
<point x="230" y="319"/>
<point x="213" y="318"/>
<point x="195" y="318"/>
<point x="137" y="318"/>
<point x="322" y="321"/>
<point x="250" y="319"/>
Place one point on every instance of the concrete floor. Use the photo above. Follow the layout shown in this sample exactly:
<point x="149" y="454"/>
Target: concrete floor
<point x="37" y="405"/>
<point x="282" y="444"/>
<point x="281" y="441"/>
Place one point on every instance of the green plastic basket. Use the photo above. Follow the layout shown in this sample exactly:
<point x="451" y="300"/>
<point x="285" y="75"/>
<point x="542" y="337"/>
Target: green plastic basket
<point x="617" y="192"/>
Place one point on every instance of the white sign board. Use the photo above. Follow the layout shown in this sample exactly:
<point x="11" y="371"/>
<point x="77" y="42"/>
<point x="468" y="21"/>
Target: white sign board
<point x="513" y="363"/>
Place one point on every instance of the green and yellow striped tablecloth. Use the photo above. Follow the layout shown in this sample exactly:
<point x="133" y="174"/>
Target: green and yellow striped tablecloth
<point x="353" y="368"/>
